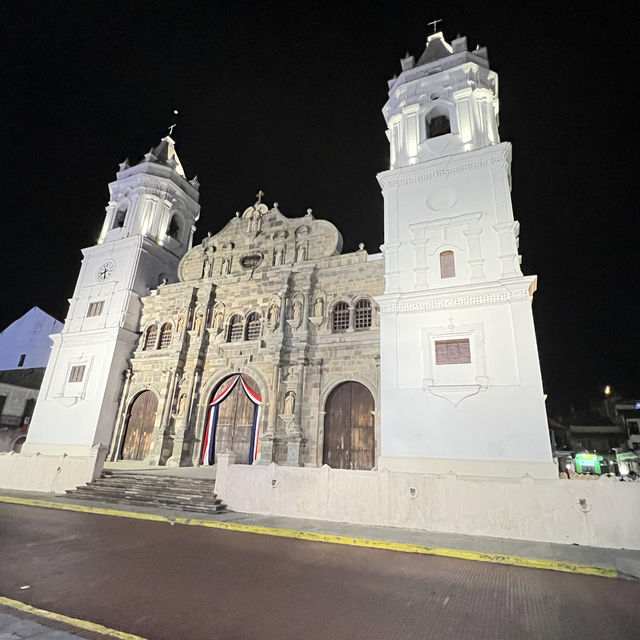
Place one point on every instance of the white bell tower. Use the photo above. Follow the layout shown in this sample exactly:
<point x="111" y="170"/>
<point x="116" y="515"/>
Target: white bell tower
<point x="148" y="227"/>
<point x="461" y="384"/>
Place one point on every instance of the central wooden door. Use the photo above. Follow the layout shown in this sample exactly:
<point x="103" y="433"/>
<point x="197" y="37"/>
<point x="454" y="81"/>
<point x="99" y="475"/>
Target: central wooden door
<point x="140" y="422"/>
<point x="235" y="423"/>
<point x="349" y="428"/>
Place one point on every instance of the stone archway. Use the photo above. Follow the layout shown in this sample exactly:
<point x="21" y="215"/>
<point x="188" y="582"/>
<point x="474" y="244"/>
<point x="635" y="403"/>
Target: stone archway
<point x="233" y="420"/>
<point x="349" y="428"/>
<point x="139" y="426"/>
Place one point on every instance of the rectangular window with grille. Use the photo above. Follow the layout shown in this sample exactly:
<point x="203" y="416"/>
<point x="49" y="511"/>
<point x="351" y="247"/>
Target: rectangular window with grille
<point x="340" y="317"/>
<point x="253" y="330"/>
<point x="453" y="351"/>
<point x="235" y="334"/>
<point x="95" y="309"/>
<point x="362" y="316"/>
<point x="77" y="373"/>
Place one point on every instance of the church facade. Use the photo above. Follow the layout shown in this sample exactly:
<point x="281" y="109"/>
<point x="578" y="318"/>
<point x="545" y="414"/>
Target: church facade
<point x="267" y="342"/>
<point x="267" y="346"/>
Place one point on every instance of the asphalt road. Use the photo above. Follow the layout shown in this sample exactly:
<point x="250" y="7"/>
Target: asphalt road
<point x="167" y="582"/>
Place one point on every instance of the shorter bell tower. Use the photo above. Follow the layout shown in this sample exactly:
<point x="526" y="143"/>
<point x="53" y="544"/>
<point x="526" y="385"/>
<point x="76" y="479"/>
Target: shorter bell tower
<point x="148" y="227"/>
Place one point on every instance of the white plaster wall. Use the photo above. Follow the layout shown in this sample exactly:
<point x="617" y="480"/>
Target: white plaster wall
<point x="72" y="417"/>
<point x="49" y="473"/>
<point x="29" y="334"/>
<point x="522" y="508"/>
<point x="424" y="409"/>
<point x="431" y="207"/>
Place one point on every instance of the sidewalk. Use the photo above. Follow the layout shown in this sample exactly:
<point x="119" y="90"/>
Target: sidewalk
<point x="13" y="627"/>
<point x="619" y="563"/>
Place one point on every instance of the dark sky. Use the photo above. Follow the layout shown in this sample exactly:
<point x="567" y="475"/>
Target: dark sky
<point x="286" y="97"/>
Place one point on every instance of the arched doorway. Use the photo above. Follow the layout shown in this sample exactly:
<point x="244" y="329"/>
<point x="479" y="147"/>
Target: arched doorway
<point x="139" y="429"/>
<point x="349" y="428"/>
<point x="233" y="420"/>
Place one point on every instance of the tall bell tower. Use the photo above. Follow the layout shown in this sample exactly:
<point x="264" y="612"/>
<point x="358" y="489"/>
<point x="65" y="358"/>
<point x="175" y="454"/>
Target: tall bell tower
<point x="148" y="227"/>
<point x="461" y="384"/>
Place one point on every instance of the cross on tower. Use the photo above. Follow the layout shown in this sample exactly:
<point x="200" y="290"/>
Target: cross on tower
<point x="259" y="196"/>
<point x="435" y="23"/>
<point x="171" y="129"/>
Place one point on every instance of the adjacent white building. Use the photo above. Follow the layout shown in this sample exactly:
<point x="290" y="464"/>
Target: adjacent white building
<point x="26" y="342"/>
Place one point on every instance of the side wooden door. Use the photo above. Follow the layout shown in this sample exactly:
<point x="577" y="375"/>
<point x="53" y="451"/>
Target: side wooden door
<point x="349" y="428"/>
<point x="140" y="422"/>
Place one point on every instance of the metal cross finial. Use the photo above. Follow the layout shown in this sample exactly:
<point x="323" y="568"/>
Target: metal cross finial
<point x="435" y="23"/>
<point x="259" y="196"/>
<point x="171" y="129"/>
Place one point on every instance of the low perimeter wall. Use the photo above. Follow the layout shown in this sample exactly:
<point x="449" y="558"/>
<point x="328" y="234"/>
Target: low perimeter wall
<point x="599" y="513"/>
<point x="49" y="473"/>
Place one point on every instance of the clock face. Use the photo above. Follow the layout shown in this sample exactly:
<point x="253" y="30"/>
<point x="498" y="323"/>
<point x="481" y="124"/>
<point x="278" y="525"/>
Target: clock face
<point x="105" y="270"/>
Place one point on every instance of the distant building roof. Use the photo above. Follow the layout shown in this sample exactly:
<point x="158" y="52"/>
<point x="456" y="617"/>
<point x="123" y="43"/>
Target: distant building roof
<point x="29" y="378"/>
<point x="26" y="342"/>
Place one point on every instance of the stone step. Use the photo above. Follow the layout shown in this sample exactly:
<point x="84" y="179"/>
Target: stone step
<point x="198" y="508"/>
<point x="209" y="490"/>
<point x="149" y="490"/>
<point x="187" y="494"/>
<point x="167" y="498"/>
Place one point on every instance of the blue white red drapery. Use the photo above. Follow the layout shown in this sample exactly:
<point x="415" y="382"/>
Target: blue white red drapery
<point x="208" y="448"/>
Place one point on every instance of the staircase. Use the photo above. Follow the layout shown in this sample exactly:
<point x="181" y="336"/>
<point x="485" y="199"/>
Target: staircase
<point x="147" y="490"/>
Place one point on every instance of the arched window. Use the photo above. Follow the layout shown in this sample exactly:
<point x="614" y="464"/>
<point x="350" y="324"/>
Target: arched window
<point x="437" y="122"/>
<point x="150" y="337"/>
<point x="447" y="265"/>
<point x="121" y="214"/>
<point x="362" y="319"/>
<point x="173" y="230"/>
<point x="235" y="329"/>
<point x="254" y="325"/>
<point x="340" y="317"/>
<point x="165" y="335"/>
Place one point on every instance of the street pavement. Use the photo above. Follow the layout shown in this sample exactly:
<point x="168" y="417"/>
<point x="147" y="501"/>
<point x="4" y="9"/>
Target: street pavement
<point x="164" y="581"/>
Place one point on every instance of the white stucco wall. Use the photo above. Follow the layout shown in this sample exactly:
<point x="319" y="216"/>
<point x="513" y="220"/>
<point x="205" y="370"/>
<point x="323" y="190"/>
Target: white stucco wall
<point x="600" y="513"/>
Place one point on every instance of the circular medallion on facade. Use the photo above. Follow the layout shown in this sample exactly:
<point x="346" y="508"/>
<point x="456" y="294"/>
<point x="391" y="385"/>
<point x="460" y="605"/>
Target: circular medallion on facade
<point x="442" y="199"/>
<point x="105" y="270"/>
<point x="251" y="261"/>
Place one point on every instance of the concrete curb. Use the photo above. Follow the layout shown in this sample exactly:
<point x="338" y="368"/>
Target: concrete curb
<point x="514" y="560"/>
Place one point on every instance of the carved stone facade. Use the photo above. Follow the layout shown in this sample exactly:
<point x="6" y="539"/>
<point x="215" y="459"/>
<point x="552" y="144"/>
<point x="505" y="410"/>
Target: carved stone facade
<point x="257" y="299"/>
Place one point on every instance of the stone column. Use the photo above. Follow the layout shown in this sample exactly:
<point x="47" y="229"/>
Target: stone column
<point x="118" y="432"/>
<point x="508" y="251"/>
<point x="266" y="450"/>
<point x="155" y="452"/>
<point x="419" y="244"/>
<point x="181" y="426"/>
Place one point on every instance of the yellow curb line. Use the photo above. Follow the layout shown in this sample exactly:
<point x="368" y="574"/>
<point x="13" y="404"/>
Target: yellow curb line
<point x="75" y="622"/>
<point x="518" y="561"/>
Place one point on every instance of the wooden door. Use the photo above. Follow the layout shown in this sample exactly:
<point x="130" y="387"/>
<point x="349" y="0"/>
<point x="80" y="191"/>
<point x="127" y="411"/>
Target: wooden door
<point x="140" y="422"/>
<point x="349" y="428"/>
<point x="235" y="423"/>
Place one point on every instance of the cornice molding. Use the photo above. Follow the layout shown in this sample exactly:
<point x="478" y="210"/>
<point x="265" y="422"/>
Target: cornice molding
<point x="498" y="293"/>
<point x="441" y="168"/>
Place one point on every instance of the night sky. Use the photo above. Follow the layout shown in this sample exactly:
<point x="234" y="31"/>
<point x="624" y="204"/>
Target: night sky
<point x="287" y="97"/>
